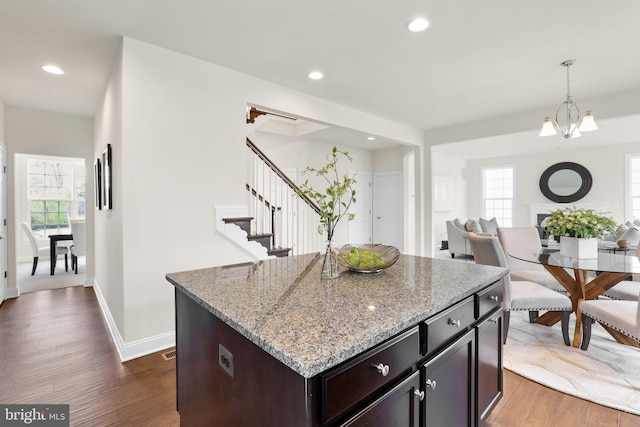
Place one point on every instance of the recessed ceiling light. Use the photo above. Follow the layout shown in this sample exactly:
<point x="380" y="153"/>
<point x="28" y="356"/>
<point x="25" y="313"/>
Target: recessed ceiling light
<point x="371" y="138"/>
<point x="53" y="69"/>
<point x="315" y="75"/>
<point x="418" y="24"/>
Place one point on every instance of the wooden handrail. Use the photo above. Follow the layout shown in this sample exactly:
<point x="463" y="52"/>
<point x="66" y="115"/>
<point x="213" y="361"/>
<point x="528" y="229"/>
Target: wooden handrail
<point x="282" y="176"/>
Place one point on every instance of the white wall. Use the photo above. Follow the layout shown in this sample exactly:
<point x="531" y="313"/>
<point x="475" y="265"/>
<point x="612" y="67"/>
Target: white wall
<point x="605" y="164"/>
<point x="177" y="126"/>
<point x="444" y="165"/>
<point x="2" y="121"/>
<point x="52" y="134"/>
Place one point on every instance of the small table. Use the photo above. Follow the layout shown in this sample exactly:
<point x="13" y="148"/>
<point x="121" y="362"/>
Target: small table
<point x="613" y="267"/>
<point x="53" y="242"/>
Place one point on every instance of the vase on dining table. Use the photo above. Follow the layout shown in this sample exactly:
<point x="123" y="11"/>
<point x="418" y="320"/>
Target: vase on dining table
<point x="579" y="248"/>
<point x="329" y="262"/>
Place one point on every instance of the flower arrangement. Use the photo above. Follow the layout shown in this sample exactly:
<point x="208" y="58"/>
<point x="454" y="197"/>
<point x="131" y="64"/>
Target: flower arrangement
<point x="336" y="198"/>
<point x="580" y="223"/>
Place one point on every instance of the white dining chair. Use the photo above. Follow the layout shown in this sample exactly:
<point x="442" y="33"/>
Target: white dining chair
<point x="42" y="250"/>
<point x="79" y="247"/>
<point x="520" y="294"/>
<point x="620" y="318"/>
<point x="514" y="239"/>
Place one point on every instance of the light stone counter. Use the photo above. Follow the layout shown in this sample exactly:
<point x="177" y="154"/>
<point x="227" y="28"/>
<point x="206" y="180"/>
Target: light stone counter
<point x="311" y="325"/>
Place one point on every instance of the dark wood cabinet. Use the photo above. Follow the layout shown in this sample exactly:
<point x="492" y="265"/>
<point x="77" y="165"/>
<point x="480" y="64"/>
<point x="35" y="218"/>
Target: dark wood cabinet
<point x="489" y="364"/>
<point x="444" y="371"/>
<point x="448" y="381"/>
<point x="398" y="407"/>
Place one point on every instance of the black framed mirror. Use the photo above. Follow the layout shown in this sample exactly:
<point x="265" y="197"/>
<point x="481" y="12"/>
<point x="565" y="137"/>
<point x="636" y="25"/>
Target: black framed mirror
<point x="565" y="182"/>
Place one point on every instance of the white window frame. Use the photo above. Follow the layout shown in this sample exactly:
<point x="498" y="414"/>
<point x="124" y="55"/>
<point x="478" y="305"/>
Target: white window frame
<point x="74" y="200"/>
<point x="501" y="221"/>
<point x="628" y="187"/>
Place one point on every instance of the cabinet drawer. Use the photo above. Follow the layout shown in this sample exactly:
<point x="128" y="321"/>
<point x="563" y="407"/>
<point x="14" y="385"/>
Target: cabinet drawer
<point x="444" y="326"/>
<point x="490" y="298"/>
<point x="350" y="383"/>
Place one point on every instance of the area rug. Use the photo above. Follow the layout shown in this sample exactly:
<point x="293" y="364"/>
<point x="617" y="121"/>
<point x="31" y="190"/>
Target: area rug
<point x="606" y="373"/>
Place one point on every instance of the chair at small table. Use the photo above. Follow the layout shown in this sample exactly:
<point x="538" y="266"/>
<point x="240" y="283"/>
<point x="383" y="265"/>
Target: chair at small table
<point x="79" y="242"/>
<point x="519" y="294"/>
<point x="626" y="290"/>
<point x="42" y="250"/>
<point x="518" y="239"/>
<point x="620" y="318"/>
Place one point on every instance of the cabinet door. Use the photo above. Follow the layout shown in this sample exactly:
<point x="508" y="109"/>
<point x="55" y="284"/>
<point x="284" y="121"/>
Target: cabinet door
<point x="448" y="381"/>
<point x="399" y="407"/>
<point x="489" y="364"/>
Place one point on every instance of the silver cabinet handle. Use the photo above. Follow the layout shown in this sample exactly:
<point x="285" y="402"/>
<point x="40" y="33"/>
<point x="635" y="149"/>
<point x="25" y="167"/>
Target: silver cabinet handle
<point x="493" y="320"/>
<point x="419" y="394"/>
<point x="431" y="384"/>
<point x="382" y="369"/>
<point x="455" y="323"/>
<point x="493" y="298"/>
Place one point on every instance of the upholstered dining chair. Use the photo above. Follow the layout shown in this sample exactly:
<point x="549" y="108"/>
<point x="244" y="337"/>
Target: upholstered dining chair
<point x="520" y="294"/>
<point x="79" y="247"/>
<point x="627" y="290"/>
<point x="42" y="250"/>
<point x="620" y="318"/>
<point x="518" y="239"/>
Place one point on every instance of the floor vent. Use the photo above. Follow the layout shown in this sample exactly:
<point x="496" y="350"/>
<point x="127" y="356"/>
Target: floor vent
<point x="169" y="355"/>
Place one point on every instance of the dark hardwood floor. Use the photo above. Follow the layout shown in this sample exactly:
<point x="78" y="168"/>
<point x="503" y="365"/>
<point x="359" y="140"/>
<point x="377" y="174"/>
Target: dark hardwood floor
<point x="55" y="348"/>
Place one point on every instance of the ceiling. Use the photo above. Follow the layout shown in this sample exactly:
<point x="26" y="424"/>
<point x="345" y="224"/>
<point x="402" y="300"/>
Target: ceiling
<point x="478" y="60"/>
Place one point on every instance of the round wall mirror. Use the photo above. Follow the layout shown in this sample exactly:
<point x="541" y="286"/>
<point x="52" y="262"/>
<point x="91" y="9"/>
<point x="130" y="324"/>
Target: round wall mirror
<point x="565" y="182"/>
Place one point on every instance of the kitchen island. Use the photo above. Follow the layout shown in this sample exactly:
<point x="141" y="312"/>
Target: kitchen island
<point x="270" y="344"/>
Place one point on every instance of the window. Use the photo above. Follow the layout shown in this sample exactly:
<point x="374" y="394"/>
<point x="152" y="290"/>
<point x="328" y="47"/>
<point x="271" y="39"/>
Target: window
<point x="56" y="194"/>
<point x="497" y="190"/>
<point x="632" y="204"/>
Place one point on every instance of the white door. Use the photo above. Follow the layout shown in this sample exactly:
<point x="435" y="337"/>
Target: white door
<point x="387" y="208"/>
<point x="3" y="222"/>
<point x="361" y="227"/>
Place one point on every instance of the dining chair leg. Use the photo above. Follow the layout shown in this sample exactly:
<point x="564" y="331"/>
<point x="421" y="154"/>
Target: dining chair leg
<point x="66" y="263"/>
<point x="76" y="263"/>
<point x="35" y="265"/>
<point x="564" y="323"/>
<point x="506" y="317"/>
<point x="586" y="331"/>
<point x="533" y="315"/>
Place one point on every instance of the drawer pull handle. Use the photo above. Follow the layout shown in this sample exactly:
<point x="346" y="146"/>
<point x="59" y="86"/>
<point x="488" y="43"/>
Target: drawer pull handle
<point x="419" y="394"/>
<point x="431" y="384"/>
<point x="493" y="320"/>
<point x="455" y="323"/>
<point x="382" y="369"/>
<point x="493" y="298"/>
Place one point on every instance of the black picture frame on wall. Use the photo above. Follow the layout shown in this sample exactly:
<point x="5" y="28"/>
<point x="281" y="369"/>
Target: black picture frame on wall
<point x="97" y="178"/>
<point x="106" y="178"/>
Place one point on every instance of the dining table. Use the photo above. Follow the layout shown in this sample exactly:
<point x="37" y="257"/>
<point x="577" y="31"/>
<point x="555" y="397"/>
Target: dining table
<point x="591" y="277"/>
<point x="53" y="242"/>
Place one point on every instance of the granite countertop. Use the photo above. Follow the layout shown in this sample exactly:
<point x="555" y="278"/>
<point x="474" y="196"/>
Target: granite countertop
<point x="312" y="325"/>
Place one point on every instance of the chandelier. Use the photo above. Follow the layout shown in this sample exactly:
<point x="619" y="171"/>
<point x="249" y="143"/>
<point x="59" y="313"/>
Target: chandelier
<point x="574" y="121"/>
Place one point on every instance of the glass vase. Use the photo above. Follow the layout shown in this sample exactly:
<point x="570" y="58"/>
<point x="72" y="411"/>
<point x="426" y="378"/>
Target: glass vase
<point x="329" y="262"/>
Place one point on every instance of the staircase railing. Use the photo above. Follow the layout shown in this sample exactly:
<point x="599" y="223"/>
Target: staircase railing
<point x="278" y="208"/>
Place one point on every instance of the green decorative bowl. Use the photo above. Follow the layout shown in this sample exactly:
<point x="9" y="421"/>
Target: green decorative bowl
<point x="368" y="258"/>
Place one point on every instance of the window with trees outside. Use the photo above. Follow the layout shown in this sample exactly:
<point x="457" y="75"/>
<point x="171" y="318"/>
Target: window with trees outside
<point x="56" y="194"/>
<point x="497" y="191"/>
<point x="633" y="187"/>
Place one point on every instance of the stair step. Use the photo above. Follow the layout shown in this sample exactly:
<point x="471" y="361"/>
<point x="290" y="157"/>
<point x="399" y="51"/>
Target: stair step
<point x="263" y="239"/>
<point x="243" y="222"/>
<point x="279" y="252"/>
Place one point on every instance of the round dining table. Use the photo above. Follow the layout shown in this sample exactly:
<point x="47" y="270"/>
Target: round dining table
<point x="590" y="278"/>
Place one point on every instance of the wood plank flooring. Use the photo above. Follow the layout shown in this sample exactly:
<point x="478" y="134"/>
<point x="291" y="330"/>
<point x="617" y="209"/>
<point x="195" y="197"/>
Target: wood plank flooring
<point x="55" y="348"/>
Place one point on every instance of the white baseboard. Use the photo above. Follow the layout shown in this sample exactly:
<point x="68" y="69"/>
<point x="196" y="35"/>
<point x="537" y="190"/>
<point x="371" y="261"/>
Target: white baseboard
<point x="135" y="349"/>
